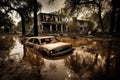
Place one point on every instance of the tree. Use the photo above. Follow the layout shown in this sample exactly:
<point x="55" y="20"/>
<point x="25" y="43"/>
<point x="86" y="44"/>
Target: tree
<point x="5" y="21"/>
<point x="93" y="5"/>
<point x="23" y="7"/>
<point x="35" y="18"/>
<point x="107" y="20"/>
<point x="115" y="16"/>
<point x="28" y="25"/>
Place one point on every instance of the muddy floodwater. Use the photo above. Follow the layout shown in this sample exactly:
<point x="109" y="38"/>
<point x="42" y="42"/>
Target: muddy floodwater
<point x="91" y="59"/>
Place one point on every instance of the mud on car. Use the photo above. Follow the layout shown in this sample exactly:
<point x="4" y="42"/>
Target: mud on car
<point x="48" y="45"/>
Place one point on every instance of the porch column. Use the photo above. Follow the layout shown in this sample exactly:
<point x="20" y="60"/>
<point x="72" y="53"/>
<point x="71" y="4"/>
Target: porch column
<point x="50" y="28"/>
<point x="56" y="27"/>
<point x="83" y="29"/>
<point x="62" y="28"/>
<point x="42" y="28"/>
<point x="66" y="28"/>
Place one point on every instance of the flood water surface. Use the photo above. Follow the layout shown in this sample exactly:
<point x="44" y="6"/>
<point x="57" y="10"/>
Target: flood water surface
<point x="92" y="59"/>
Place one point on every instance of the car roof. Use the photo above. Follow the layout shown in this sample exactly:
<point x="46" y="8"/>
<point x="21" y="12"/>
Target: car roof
<point x="42" y="37"/>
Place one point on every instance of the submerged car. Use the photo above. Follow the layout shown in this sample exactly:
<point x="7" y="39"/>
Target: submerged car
<point x="49" y="45"/>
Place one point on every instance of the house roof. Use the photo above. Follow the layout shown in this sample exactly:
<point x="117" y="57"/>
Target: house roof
<point x="51" y="14"/>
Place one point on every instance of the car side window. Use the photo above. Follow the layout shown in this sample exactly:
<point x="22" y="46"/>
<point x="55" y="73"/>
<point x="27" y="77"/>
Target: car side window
<point x="30" y="40"/>
<point x="36" y="41"/>
<point x="42" y="41"/>
<point x="53" y="40"/>
<point x="45" y="41"/>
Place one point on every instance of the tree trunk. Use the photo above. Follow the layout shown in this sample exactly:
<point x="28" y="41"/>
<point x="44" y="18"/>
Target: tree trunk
<point x="107" y="61"/>
<point x="118" y="25"/>
<point x="112" y="25"/>
<point x="118" y="65"/>
<point x="35" y="18"/>
<point x="118" y="18"/>
<point x="23" y="25"/>
<point x="100" y="18"/>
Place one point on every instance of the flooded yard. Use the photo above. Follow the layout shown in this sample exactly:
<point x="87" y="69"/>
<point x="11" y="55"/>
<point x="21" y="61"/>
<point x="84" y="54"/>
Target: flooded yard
<point x="92" y="59"/>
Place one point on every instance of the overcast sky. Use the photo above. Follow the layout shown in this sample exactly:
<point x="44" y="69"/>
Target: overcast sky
<point x="47" y="8"/>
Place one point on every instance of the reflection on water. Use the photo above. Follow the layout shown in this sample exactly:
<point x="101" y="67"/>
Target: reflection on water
<point x="92" y="59"/>
<point x="84" y="64"/>
<point x="11" y="48"/>
<point x="6" y="44"/>
<point x="51" y="69"/>
<point x="98" y="60"/>
<point x="17" y="51"/>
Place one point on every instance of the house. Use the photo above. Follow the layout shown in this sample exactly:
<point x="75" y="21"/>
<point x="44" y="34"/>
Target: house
<point x="85" y="26"/>
<point x="51" y="23"/>
<point x="80" y="26"/>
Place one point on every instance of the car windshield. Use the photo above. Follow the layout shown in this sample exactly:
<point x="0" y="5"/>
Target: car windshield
<point x="48" y="40"/>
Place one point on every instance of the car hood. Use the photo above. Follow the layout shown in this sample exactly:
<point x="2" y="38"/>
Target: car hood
<point x="55" y="45"/>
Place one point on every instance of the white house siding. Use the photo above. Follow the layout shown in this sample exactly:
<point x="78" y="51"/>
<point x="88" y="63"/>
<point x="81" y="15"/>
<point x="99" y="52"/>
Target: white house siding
<point x="51" y="23"/>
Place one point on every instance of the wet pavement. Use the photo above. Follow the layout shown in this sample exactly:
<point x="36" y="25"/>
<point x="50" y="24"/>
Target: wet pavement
<point x="92" y="59"/>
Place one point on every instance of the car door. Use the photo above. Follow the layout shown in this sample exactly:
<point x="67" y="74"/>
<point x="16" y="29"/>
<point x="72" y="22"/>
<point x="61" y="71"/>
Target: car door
<point x="30" y="43"/>
<point x="36" y="44"/>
